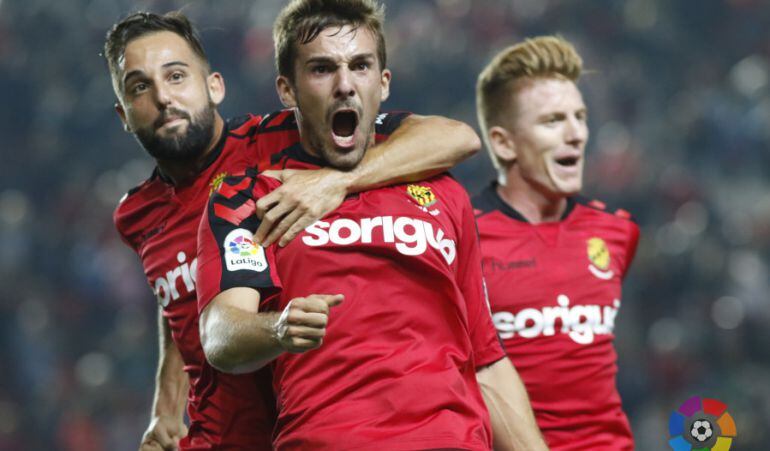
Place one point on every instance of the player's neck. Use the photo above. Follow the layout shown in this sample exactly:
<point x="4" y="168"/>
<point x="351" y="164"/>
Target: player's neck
<point x="183" y="172"/>
<point x="529" y="202"/>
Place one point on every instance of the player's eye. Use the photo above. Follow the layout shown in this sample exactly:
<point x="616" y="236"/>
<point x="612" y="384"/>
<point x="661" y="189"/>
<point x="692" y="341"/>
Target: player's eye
<point x="582" y="115"/>
<point x="177" y="76"/>
<point x="320" y="69"/>
<point x="361" y="66"/>
<point x="139" y="87"/>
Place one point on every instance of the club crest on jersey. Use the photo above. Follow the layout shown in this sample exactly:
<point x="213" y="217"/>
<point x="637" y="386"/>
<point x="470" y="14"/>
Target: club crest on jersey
<point x="599" y="258"/>
<point x="242" y="253"/>
<point x="424" y="197"/>
<point x="216" y="182"/>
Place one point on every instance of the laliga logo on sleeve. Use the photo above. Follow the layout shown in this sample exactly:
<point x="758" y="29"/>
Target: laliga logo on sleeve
<point x="701" y="424"/>
<point x="599" y="256"/>
<point x="242" y="253"/>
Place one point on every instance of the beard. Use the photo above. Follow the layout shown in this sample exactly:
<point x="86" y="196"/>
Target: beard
<point x="184" y="147"/>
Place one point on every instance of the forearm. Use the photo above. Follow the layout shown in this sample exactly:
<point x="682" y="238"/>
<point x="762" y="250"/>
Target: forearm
<point x="171" y="382"/>
<point x="513" y="423"/>
<point x="421" y="147"/>
<point x="238" y="340"/>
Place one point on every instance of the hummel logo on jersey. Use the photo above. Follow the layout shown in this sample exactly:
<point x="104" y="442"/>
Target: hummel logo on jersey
<point x="581" y="322"/>
<point x="167" y="288"/>
<point x="242" y="253"/>
<point x="411" y="236"/>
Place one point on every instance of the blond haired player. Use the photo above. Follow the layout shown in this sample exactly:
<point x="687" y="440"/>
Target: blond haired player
<point x="553" y="261"/>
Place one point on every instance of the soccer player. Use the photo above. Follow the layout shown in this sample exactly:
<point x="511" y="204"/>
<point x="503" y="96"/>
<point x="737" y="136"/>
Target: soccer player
<point x="168" y="97"/>
<point x="553" y="261"/>
<point x="388" y="286"/>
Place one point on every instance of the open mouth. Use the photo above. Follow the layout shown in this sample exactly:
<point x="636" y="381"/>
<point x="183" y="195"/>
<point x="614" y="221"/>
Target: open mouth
<point x="344" y="124"/>
<point x="568" y="161"/>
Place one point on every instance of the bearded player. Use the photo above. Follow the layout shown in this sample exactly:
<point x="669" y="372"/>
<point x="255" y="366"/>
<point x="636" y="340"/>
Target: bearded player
<point x="168" y="98"/>
<point x="553" y="262"/>
<point x="393" y="274"/>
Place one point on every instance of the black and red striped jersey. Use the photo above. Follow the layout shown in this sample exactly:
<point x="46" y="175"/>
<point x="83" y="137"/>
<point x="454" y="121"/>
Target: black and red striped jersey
<point x="159" y="221"/>
<point x="555" y="290"/>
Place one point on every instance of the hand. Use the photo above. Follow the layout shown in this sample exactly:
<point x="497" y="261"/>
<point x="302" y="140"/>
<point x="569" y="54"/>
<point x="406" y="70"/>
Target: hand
<point x="302" y="325"/>
<point x="304" y="197"/>
<point x="163" y="434"/>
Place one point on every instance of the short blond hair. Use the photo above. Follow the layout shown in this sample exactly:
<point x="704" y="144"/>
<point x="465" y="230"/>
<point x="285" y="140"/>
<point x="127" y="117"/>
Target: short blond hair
<point x="301" y="21"/>
<point x="539" y="57"/>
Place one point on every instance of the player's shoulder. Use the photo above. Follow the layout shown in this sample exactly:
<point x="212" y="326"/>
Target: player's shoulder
<point x="278" y="121"/>
<point x="387" y="122"/>
<point x="603" y="210"/>
<point x="246" y="125"/>
<point x="138" y="209"/>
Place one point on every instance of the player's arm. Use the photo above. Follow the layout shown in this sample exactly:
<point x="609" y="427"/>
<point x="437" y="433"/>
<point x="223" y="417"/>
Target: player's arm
<point x="421" y="146"/>
<point x="233" y="276"/>
<point x="513" y="423"/>
<point x="171" y="385"/>
<point x="237" y="338"/>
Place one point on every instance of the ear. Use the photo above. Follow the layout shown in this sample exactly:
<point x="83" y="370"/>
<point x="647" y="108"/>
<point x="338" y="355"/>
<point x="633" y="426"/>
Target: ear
<point x="286" y="92"/>
<point x="216" y="86"/>
<point x="502" y="144"/>
<point x="122" y="114"/>
<point x="385" y="84"/>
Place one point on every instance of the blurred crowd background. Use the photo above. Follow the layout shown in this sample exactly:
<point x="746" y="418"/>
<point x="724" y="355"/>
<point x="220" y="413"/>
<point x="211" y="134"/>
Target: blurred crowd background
<point x="679" y="102"/>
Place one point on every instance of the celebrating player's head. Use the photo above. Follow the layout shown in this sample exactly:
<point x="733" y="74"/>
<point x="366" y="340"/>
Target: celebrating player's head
<point x="532" y="115"/>
<point x="330" y="56"/>
<point x="167" y="94"/>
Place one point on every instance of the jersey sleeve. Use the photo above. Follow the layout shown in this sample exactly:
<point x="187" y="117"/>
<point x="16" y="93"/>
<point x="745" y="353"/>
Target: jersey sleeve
<point x="387" y="123"/>
<point x="487" y="347"/>
<point x="631" y="245"/>
<point x="228" y="257"/>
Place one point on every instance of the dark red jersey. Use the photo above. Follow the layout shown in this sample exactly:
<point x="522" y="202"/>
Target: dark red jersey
<point x="397" y="369"/>
<point x="160" y="222"/>
<point x="554" y="289"/>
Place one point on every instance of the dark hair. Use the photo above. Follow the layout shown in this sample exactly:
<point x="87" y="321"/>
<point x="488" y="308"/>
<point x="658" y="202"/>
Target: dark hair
<point x="141" y="23"/>
<point x="302" y="20"/>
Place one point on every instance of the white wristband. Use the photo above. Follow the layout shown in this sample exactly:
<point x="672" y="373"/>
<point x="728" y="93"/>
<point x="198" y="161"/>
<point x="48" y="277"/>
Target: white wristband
<point x="281" y="326"/>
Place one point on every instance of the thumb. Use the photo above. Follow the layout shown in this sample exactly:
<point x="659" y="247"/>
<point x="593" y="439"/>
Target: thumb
<point x="276" y="174"/>
<point x="334" y="300"/>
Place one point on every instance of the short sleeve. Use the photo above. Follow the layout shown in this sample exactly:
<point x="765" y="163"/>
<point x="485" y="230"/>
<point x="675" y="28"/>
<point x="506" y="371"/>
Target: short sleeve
<point x="228" y="257"/>
<point x="487" y="347"/>
<point x="387" y="123"/>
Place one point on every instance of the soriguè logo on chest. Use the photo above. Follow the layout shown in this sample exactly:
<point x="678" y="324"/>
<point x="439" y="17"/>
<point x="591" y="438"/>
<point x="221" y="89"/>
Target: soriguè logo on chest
<point x="582" y="323"/>
<point x="167" y="288"/>
<point x="411" y="236"/>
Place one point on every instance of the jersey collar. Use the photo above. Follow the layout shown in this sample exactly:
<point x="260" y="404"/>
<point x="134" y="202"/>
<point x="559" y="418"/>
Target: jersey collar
<point x="493" y="199"/>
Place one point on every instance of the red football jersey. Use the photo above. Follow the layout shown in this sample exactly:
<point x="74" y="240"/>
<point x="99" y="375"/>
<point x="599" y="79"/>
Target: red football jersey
<point x="397" y="369"/>
<point x="160" y="222"/>
<point x="554" y="289"/>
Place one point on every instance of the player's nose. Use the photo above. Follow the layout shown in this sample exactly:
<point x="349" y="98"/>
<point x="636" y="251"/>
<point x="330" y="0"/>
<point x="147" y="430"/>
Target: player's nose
<point x="575" y="131"/>
<point x="343" y="84"/>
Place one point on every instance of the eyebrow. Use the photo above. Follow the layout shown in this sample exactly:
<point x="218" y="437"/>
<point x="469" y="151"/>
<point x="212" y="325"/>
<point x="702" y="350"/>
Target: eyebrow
<point x="327" y="59"/>
<point x="138" y="72"/>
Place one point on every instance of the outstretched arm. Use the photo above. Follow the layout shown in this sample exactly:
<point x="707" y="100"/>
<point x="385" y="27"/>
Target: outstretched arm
<point x="171" y="385"/>
<point x="422" y="146"/>
<point x="513" y="423"/>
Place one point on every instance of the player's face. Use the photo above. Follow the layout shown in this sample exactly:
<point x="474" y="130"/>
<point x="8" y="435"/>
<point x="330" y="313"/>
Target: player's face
<point x="549" y="134"/>
<point x="338" y="87"/>
<point x="167" y="98"/>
